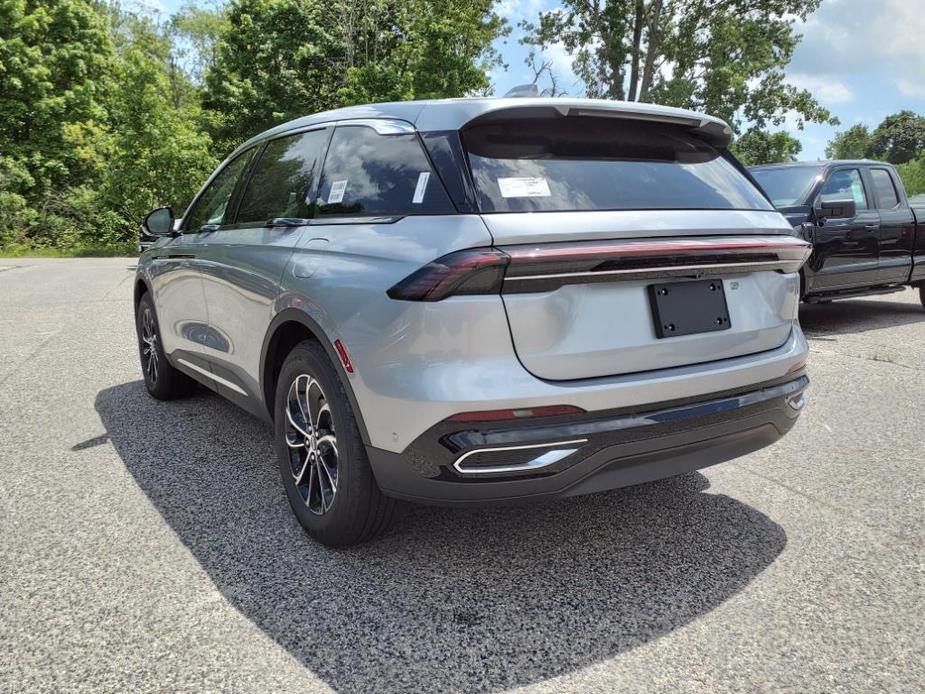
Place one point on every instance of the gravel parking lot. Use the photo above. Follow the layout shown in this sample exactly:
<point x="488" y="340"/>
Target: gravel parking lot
<point x="148" y="546"/>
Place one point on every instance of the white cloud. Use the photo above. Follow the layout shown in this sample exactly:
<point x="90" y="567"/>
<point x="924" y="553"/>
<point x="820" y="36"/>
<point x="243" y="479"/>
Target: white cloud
<point x="829" y="90"/>
<point x="912" y="89"/>
<point x="848" y="37"/>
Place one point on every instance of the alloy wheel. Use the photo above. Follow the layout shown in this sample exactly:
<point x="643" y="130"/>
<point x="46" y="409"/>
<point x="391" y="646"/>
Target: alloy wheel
<point x="149" y="345"/>
<point x="312" y="443"/>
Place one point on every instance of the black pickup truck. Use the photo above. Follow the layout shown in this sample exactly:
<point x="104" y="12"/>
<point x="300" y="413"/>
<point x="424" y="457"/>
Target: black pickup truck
<point x="866" y="237"/>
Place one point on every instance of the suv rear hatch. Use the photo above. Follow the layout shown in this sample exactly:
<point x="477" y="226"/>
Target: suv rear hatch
<point x="635" y="245"/>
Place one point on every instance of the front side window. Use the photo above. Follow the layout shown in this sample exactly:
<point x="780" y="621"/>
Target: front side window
<point x="842" y="184"/>
<point x="787" y="186"/>
<point x="592" y="163"/>
<point x="886" y="191"/>
<point x="366" y="173"/>
<point x="212" y="206"/>
<point x="282" y="180"/>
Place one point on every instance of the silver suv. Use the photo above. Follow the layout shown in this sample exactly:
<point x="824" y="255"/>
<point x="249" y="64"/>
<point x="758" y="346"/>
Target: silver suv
<point x="480" y="300"/>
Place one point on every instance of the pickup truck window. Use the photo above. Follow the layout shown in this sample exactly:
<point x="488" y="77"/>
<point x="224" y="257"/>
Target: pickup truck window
<point x="590" y="163"/>
<point x="887" y="198"/>
<point x="845" y="183"/>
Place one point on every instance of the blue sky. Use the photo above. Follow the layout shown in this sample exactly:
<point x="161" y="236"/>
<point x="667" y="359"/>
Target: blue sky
<point x="862" y="59"/>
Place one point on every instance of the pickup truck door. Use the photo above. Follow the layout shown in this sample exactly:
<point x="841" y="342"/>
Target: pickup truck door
<point x="897" y="227"/>
<point x="846" y="251"/>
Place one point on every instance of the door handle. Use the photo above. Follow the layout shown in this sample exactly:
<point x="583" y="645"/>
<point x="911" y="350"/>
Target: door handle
<point x="871" y="227"/>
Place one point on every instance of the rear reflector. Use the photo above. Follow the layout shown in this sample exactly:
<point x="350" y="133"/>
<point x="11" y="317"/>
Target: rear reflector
<point x="547" y="267"/>
<point x="499" y="415"/>
<point x="344" y="357"/>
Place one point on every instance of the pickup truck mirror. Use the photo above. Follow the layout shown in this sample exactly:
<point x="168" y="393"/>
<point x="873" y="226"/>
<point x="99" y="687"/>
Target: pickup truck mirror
<point x="832" y="208"/>
<point x="159" y="222"/>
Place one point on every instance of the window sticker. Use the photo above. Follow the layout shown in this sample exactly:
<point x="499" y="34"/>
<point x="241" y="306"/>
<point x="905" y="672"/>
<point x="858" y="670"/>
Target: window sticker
<point x="524" y="187"/>
<point x="337" y="191"/>
<point x="420" y="188"/>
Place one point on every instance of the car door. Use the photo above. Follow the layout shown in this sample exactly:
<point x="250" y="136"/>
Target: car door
<point x="897" y="228"/>
<point x="846" y="250"/>
<point x="177" y="270"/>
<point x="244" y="261"/>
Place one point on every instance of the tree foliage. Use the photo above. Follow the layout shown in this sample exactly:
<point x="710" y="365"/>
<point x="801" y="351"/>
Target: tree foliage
<point x="899" y="138"/>
<point x="724" y="57"/>
<point x="758" y="146"/>
<point x="852" y="143"/>
<point x="107" y="112"/>
<point x="281" y="59"/>
<point x="56" y="59"/>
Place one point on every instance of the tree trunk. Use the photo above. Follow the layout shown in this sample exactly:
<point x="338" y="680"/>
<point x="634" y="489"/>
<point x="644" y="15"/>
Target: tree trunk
<point x="653" y="37"/>
<point x="634" y="55"/>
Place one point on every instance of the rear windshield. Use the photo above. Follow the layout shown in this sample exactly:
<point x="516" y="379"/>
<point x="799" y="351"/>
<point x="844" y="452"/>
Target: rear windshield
<point x="588" y="163"/>
<point x="787" y="186"/>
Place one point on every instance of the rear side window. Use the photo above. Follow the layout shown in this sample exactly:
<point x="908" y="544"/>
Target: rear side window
<point x="282" y="180"/>
<point x="211" y="207"/>
<point x="589" y="163"/>
<point x="366" y="173"/>
<point x="886" y="191"/>
<point x="842" y="184"/>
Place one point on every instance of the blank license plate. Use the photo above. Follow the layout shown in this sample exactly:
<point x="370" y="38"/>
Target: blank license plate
<point x="686" y="308"/>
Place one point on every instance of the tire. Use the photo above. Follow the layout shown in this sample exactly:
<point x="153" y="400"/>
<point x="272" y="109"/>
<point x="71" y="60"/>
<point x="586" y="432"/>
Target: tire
<point x="922" y="294"/>
<point x="322" y="459"/>
<point x="162" y="380"/>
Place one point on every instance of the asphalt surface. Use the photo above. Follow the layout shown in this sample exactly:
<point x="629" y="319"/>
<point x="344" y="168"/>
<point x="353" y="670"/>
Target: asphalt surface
<point x="148" y="546"/>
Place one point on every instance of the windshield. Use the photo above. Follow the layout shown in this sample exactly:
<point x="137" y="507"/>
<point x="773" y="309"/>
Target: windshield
<point x="589" y="163"/>
<point x="787" y="186"/>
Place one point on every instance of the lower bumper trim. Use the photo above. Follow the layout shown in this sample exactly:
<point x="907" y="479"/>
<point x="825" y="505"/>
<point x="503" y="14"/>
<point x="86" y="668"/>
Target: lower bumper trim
<point x="608" y="452"/>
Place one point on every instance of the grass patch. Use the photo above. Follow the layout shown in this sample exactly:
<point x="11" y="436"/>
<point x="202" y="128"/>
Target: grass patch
<point x="23" y="251"/>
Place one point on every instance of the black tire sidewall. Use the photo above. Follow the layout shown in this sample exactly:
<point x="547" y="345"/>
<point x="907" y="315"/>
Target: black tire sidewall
<point x="156" y="388"/>
<point x="170" y="383"/>
<point x="345" y="521"/>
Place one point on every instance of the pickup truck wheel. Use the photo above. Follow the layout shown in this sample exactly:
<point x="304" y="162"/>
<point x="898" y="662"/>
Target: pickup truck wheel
<point x="162" y="380"/>
<point x="922" y="294"/>
<point x="322" y="459"/>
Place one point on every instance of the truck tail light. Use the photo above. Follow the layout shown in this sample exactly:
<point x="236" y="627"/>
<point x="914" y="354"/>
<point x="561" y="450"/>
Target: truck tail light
<point x="519" y="269"/>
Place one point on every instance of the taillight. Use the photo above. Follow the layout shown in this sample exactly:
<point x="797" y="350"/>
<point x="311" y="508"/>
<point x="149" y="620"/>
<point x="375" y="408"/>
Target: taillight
<point x="475" y="271"/>
<point x="547" y="267"/>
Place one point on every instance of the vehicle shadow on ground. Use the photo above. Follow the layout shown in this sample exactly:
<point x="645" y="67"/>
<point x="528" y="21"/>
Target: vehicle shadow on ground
<point x="462" y="600"/>
<point x="857" y="316"/>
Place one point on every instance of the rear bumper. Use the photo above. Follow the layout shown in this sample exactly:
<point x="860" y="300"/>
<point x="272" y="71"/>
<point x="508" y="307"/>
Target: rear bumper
<point x="465" y="463"/>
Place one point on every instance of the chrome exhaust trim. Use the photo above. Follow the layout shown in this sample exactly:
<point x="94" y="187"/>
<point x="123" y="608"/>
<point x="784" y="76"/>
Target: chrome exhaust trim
<point x="543" y="460"/>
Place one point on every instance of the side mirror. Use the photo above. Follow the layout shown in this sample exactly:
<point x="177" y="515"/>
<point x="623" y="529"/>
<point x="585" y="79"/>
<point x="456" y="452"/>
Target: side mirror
<point x="841" y="208"/>
<point x="159" y="222"/>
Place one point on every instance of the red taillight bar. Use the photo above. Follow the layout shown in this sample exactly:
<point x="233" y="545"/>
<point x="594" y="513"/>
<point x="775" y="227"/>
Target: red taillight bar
<point x="544" y="268"/>
<point x="475" y="271"/>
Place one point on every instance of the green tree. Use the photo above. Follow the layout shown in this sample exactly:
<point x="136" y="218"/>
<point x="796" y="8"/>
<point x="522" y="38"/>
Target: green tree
<point x="758" y="146"/>
<point x="56" y="62"/>
<point x="281" y="59"/>
<point x="899" y="138"/>
<point x="912" y="174"/>
<point x="724" y="58"/>
<point x="196" y="31"/>
<point x="852" y="143"/>
<point x="160" y="156"/>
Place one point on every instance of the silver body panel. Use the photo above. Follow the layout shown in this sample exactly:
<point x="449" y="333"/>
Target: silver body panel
<point x="417" y="363"/>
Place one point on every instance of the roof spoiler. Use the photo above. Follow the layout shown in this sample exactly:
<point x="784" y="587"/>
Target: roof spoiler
<point x="712" y="131"/>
